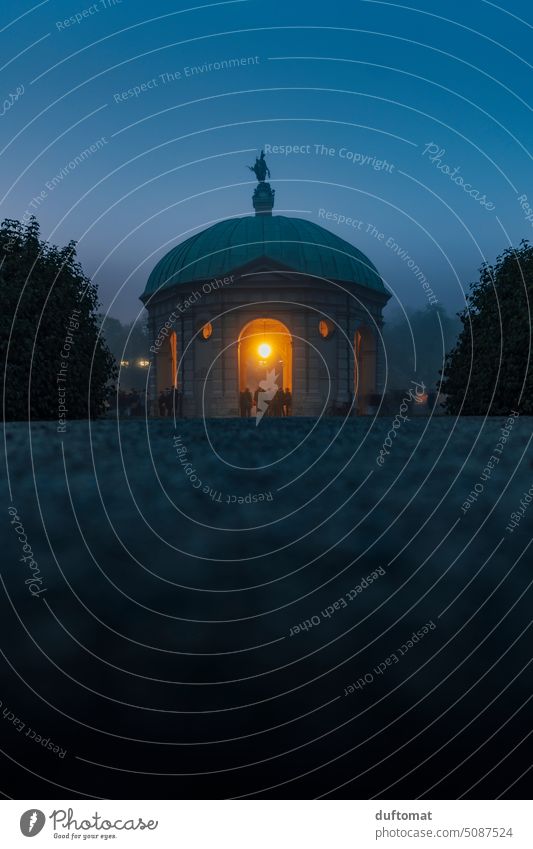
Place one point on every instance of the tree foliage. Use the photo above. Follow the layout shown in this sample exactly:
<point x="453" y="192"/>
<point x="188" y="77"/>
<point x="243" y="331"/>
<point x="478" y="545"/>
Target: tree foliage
<point x="41" y="288"/>
<point x="489" y="371"/>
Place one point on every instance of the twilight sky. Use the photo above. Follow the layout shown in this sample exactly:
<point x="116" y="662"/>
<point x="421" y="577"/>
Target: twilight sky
<point x="412" y="121"/>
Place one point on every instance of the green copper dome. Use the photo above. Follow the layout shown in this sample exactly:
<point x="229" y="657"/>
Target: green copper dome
<point x="293" y="242"/>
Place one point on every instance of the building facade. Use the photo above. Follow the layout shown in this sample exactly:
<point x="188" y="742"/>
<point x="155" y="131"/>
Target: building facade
<point x="266" y="298"/>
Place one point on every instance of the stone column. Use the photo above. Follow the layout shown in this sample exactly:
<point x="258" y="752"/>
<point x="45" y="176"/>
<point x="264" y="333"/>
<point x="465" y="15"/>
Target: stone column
<point x="344" y="343"/>
<point x="151" y="400"/>
<point x="300" y="364"/>
<point x="230" y="365"/>
<point x="380" y="359"/>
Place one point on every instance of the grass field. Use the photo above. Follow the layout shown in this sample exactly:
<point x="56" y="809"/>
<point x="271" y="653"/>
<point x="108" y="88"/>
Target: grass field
<point x="219" y="609"/>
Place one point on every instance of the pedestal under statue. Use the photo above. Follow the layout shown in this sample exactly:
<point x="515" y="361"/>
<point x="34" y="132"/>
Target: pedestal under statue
<point x="263" y="198"/>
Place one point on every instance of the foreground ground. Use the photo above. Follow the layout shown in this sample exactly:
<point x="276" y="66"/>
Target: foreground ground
<point x="219" y="609"/>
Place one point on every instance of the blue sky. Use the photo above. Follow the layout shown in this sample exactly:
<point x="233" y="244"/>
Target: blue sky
<point x="374" y="82"/>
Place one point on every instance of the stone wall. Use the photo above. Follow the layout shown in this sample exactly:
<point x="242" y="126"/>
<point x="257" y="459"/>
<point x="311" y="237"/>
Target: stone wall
<point x="322" y="369"/>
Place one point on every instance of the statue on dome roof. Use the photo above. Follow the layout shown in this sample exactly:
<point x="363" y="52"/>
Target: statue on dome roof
<point x="260" y="168"/>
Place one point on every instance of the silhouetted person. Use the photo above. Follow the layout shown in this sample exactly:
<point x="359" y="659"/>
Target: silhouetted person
<point x="176" y="402"/>
<point x="287" y="402"/>
<point x="246" y="403"/>
<point x="168" y="401"/>
<point x="274" y="405"/>
<point x="129" y="404"/>
<point x="134" y="403"/>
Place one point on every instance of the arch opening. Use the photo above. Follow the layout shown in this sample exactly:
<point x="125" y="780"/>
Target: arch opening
<point x="364" y="368"/>
<point x="265" y="354"/>
<point x="167" y="364"/>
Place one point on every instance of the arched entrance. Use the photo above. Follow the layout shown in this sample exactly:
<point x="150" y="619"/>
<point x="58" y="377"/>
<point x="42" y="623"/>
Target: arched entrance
<point x="265" y="353"/>
<point x="365" y="367"/>
<point x="167" y="364"/>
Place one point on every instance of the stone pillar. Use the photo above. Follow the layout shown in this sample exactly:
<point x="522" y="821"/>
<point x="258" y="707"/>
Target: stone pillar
<point x="151" y="400"/>
<point x="354" y="325"/>
<point x="344" y="342"/>
<point x="229" y="363"/>
<point x="263" y="199"/>
<point x="380" y="360"/>
<point x="185" y="357"/>
<point x="300" y="363"/>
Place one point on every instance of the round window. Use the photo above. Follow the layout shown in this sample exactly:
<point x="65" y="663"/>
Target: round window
<point x="325" y="328"/>
<point x="207" y="330"/>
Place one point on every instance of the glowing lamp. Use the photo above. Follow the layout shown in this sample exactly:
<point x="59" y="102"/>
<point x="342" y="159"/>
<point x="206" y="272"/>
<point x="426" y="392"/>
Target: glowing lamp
<point x="264" y="350"/>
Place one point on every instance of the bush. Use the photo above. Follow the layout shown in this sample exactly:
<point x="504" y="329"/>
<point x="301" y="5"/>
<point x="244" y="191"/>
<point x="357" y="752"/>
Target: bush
<point x="489" y="371"/>
<point x="49" y="340"/>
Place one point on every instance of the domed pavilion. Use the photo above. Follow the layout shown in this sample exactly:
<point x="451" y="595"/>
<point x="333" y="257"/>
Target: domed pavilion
<point x="264" y="302"/>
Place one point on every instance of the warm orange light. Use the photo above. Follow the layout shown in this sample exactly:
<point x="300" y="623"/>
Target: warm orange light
<point x="325" y="328"/>
<point x="264" y="350"/>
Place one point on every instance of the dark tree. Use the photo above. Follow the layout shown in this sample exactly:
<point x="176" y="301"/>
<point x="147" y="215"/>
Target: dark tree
<point x="51" y="351"/>
<point x="490" y="370"/>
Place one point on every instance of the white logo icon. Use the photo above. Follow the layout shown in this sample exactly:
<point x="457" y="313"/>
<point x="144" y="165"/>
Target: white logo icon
<point x="269" y="388"/>
<point x="32" y="822"/>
